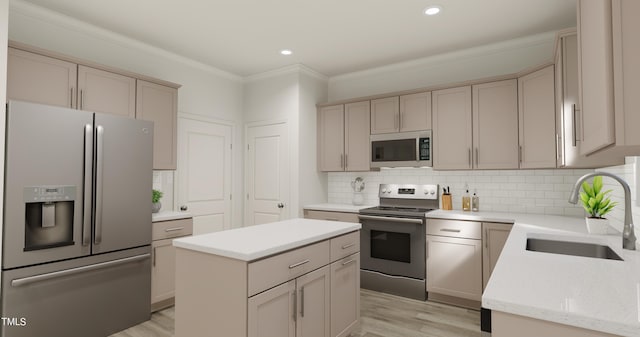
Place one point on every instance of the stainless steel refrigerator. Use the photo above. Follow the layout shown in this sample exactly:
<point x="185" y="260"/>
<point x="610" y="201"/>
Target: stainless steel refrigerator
<point x="77" y="222"/>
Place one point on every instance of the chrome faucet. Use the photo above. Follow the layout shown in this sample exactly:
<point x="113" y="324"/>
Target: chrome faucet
<point x="628" y="235"/>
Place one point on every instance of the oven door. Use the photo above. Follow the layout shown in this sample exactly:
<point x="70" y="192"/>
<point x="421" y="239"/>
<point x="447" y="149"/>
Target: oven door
<point x="393" y="246"/>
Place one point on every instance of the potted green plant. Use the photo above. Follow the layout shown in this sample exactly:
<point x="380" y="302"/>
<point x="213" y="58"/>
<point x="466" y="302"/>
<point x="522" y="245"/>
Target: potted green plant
<point x="596" y="202"/>
<point x="155" y="199"/>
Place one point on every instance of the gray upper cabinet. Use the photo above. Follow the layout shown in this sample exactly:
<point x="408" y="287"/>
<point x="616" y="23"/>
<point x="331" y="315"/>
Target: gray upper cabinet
<point x="385" y="115"/>
<point x="608" y="53"/>
<point x="159" y="104"/>
<point x="452" y="135"/>
<point x="401" y="113"/>
<point x="106" y="92"/>
<point x="41" y="79"/>
<point x="537" y="120"/>
<point x="36" y="77"/>
<point x="331" y="138"/>
<point x="569" y="112"/>
<point x="495" y="125"/>
<point x="343" y="137"/>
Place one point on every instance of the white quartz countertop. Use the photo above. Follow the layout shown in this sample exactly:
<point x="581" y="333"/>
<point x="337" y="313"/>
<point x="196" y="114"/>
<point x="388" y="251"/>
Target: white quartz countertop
<point x="255" y="242"/>
<point x="595" y="294"/>
<point x="346" y="208"/>
<point x="169" y="215"/>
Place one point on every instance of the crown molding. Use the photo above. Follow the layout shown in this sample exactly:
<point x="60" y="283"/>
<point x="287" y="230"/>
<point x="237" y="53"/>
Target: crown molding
<point x="297" y="68"/>
<point x="527" y="41"/>
<point x="39" y="13"/>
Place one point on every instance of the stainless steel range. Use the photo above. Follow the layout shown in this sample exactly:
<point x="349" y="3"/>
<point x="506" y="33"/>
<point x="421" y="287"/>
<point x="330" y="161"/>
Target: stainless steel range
<point x="393" y="240"/>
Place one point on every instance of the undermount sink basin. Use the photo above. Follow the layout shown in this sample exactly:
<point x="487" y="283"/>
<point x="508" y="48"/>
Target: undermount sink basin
<point x="572" y="248"/>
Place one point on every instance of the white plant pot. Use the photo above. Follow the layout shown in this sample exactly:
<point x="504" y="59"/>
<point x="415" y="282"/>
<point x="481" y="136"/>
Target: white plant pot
<point x="597" y="226"/>
<point x="358" y="198"/>
<point x="155" y="207"/>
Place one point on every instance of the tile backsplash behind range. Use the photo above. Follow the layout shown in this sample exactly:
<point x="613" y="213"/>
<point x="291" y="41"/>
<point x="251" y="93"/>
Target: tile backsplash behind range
<point x="522" y="191"/>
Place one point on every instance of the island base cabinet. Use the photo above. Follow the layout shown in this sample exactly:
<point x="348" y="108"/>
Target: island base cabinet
<point x="345" y="295"/>
<point x="297" y="308"/>
<point x="508" y="325"/>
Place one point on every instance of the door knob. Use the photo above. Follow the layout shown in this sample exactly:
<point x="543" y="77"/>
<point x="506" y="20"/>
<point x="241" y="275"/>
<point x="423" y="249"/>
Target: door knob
<point x="184" y="208"/>
<point x="280" y="205"/>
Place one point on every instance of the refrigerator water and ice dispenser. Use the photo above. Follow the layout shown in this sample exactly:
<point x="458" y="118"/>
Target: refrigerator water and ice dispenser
<point x="48" y="216"/>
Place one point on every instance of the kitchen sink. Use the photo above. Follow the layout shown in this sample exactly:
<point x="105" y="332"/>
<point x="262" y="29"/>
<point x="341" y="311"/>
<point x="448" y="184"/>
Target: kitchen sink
<point x="572" y="248"/>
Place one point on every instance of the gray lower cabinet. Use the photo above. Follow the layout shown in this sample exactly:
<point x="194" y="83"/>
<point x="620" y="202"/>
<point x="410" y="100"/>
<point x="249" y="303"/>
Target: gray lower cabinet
<point x="310" y="291"/>
<point x="163" y="260"/>
<point x="331" y="216"/>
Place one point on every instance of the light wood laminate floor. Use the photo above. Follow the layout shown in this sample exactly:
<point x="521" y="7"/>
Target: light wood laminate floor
<point x="382" y="315"/>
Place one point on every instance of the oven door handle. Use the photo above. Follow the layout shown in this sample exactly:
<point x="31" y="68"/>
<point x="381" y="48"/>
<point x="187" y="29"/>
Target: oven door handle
<point x="391" y="219"/>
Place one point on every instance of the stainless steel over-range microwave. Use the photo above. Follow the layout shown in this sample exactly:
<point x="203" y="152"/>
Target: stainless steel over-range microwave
<point x="403" y="149"/>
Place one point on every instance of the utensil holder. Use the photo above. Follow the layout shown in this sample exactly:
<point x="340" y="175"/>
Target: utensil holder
<point x="447" y="205"/>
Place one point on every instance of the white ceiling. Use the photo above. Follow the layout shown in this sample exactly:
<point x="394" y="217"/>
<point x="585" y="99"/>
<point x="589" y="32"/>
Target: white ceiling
<point x="333" y="37"/>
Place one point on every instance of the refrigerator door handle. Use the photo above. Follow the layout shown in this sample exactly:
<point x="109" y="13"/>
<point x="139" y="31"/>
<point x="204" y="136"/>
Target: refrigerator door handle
<point x="99" y="174"/>
<point x="88" y="173"/>
<point x="56" y="274"/>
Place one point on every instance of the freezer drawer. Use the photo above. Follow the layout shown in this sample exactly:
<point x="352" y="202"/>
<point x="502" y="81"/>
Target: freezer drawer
<point x="92" y="296"/>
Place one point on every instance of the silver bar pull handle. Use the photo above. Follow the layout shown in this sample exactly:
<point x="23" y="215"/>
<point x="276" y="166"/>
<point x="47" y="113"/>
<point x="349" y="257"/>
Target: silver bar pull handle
<point x="99" y="175"/>
<point x="575" y="128"/>
<point x="295" y="306"/>
<point x="175" y="229"/>
<point x="450" y="230"/>
<point x="470" y="157"/>
<point x="486" y="238"/>
<point x="346" y="161"/>
<point x="154" y="255"/>
<point x="56" y="274"/>
<point x="81" y="99"/>
<point x="302" y="302"/>
<point x="298" y="264"/>
<point x="88" y="174"/>
<point x="520" y="154"/>
<point x="348" y="262"/>
<point x="477" y="157"/>
<point x="71" y="99"/>
<point x="389" y="219"/>
<point x="348" y="246"/>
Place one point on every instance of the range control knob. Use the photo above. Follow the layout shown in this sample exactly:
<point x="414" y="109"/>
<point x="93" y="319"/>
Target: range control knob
<point x="432" y="192"/>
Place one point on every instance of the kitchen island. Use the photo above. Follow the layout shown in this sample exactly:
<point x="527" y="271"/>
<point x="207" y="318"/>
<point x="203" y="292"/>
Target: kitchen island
<point x="287" y="278"/>
<point x="559" y="295"/>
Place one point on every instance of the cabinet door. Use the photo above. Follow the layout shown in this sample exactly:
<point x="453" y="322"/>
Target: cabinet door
<point x="454" y="267"/>
<point x="41" y="79"/>
<point x="331" y="138"/>
<point x="356" y="136"/>
<point x="537" y="119"/>
<point x="345" y="295"/>
<point x="415" y="112"/>
<point x="313" y="309"/>
<point x="596" y="74"/>
<point x="163" y="270"/>
<point x="107" y="92"/>
<point x="495" y="125"/>
<point x="159" y="104"/>
<point x="271" y="313"/>
<point x="385" y="115"/>
<point x="494" y="235"/>
<point x="626" y="52"/>
<point x="452" y="128"/>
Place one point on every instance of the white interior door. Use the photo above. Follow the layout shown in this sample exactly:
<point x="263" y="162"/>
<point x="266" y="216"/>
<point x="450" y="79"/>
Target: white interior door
<point x="204" y="173"/>
<point x="267" y="174"/>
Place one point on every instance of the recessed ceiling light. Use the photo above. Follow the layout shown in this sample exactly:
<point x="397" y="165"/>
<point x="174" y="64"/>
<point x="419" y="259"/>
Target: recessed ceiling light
<point x="286" y="52"/>
<point x="432" y="10"/>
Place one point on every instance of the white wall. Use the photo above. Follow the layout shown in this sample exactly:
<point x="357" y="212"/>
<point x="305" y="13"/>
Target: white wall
<point x="312" y="183"/>
<point x="469" y="64"/>
<point x="290" y="95"/>
<point x="205" y="91"/>
<point x="4" y="18"/>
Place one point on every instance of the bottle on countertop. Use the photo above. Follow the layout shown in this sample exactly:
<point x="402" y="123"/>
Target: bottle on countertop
<point x="466" y="199"/>
<point x="475" y="201"/>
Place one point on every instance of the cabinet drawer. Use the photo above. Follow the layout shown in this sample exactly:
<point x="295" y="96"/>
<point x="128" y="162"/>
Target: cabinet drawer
<point x="455" y="228"/>
<point x="331" y="216"/>
<point x="172" y="229"/>
<point x="345" y="245"/>
<point x="266" y="273"/>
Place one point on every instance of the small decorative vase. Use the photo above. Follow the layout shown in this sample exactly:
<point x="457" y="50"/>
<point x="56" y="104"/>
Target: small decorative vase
<point x="597" y="225"/>
<point x="358" y="198"/>
<point x="155" y="207"/>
